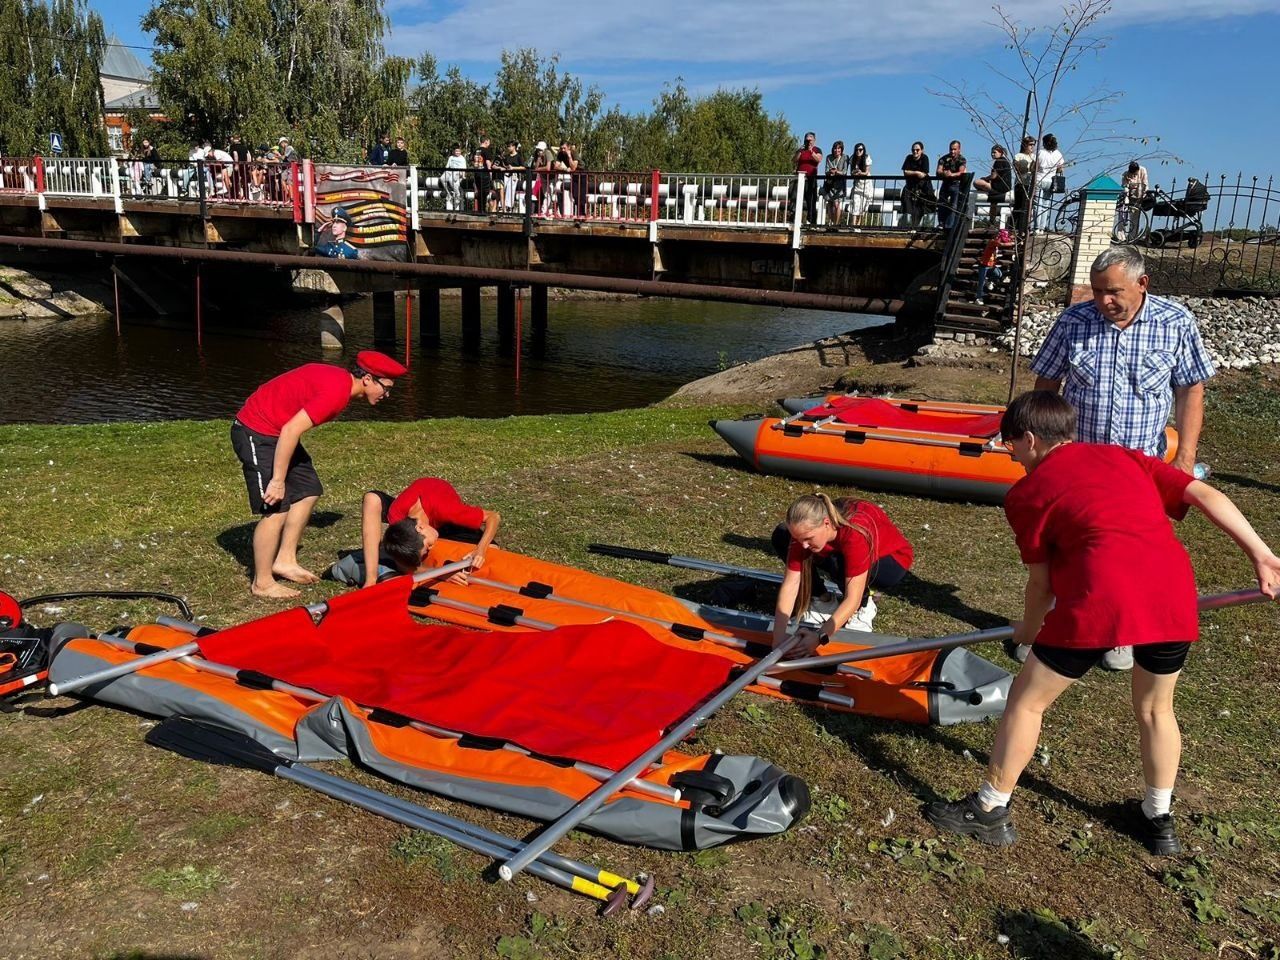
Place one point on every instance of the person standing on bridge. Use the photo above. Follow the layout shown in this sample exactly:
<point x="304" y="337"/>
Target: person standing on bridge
<point x="951" y="168"/>
<point x="282" y="481"/>
<point x="806" y="162"/>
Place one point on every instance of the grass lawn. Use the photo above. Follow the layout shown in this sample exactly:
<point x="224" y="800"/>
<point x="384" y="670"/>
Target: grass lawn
<point x="109" y="848"/>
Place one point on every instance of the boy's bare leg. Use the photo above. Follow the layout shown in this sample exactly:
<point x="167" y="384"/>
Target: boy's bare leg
<point x="286" y="559"/>
<point x="266" y="543"/>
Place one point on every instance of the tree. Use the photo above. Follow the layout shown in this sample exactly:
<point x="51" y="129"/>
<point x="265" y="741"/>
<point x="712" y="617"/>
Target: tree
<point x="50" y="55"/>
<point x="1039" y="66"/>
<point x="315" y="70"/>
<point x="446" y="110"/>
<point x="534" y="100"/>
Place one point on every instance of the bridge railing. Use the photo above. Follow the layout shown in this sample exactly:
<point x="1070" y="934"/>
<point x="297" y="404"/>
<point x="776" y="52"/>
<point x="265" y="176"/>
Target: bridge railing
<point x="257" y="182"/>
<point x="80" y="177"/>
<point x="727" y="199"/>
<point x="21" y="175"/>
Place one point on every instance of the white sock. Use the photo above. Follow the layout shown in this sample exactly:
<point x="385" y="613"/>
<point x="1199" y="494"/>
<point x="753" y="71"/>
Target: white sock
<point x="1157" y="802"/>
<point x="989" y="798"/>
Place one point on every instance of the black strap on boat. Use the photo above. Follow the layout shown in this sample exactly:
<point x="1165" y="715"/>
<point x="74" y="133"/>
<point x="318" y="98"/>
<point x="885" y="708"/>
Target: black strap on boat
<point x="687" y="631"/>
<point x="388" y="718"/>
<point x="855" y="436"/>
<point x="793" y="430"/>
<point x="800" y="690"/>
<point x="562" y="762"/>
<point x="146" y="649"/>
<point x="254" y="680"/>
<point x="422" y="596"/>
<point x="473" y="742"/>
<point x="539" y="591"/>
<point x="909" y="407"/>
<point x="504" y="615"/>
<point x="968" y="449"/>
<point x="757" y="650"/>
<point x="703" y="788"/>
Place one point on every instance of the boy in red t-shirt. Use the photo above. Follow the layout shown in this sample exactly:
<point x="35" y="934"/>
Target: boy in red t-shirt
<point x="852" y="541"/>
<point x="1105" y="570"/>
<point x="415" y="519"/>
<point x="281" y="479"/>
<point x="989" y="262"/>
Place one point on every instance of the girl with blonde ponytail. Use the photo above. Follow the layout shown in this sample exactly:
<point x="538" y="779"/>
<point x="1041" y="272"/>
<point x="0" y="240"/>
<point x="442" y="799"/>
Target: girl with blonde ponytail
<point x="852" y="542"/>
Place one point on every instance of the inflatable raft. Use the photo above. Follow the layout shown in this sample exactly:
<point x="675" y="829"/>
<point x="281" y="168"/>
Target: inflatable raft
<point x="952" y="686"/>
<point x="932" y="448"/>
<point x="529" y="722"/>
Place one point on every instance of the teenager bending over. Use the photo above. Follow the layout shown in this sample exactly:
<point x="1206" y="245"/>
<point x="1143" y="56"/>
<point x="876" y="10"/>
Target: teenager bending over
<point x="851" y="541"/>
<point x="414" y="519"/>
<point x="1105" y="569"/>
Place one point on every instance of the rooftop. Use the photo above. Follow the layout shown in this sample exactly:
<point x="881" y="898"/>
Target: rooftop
<point x="119" y="61"/>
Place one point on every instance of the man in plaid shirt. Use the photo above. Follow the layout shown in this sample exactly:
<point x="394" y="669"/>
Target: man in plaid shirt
<point x="1125" y="360"/>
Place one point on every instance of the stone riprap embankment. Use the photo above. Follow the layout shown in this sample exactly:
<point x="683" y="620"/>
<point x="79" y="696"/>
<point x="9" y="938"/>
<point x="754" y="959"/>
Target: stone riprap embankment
<point x="1237" y="333"/>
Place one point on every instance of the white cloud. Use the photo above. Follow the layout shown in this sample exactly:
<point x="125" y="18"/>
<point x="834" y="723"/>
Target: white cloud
<point x="827" y="37"/>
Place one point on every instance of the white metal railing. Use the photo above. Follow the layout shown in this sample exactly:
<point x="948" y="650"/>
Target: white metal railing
<point x="727" y="199"/>
<point x="78" y="177"/>
<point x="18" y="175"/>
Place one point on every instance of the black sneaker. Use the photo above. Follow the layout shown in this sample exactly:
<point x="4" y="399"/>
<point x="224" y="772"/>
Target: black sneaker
<point x="1157" y="834"/>
<point x="966" y="817"/>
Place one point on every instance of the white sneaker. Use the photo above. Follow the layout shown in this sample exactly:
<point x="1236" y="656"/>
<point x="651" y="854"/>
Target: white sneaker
<point x="1118" y="658"/>
<point x="865" y="617"/>
<point x="819" y="611"/>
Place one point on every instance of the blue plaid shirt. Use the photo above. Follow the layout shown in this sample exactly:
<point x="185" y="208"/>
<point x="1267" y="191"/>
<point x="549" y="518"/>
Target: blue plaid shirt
<point x="1122" y="381"/>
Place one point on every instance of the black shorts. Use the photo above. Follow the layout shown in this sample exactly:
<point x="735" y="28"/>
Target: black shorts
<point x="257" y="453"/>
<point x="1074" y="663"/>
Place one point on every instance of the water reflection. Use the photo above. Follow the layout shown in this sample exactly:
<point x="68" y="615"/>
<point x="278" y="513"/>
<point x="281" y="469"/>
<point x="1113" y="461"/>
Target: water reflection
<point x="598" y="355"/>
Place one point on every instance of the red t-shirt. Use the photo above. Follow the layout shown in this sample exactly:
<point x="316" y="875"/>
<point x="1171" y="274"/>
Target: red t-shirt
<point x="990" y="253"/>
<point x="321" y="389"/>
<point x="440" y="502"/>
<point x="806" y="162"/>
<point x="887" y="540"/>
<point x="1099" y="516"/>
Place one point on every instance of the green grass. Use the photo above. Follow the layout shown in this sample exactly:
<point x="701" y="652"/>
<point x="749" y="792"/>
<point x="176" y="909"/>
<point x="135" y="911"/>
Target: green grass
<point x="123" y="834"/>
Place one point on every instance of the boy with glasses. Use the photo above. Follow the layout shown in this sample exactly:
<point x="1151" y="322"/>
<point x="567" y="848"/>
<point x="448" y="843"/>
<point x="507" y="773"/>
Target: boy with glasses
<point x="281" y="479"/>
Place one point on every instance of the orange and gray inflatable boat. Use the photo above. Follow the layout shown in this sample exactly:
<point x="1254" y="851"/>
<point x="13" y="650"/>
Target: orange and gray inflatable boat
<point x="528" y="721"/>
<point x="932" y="448"/>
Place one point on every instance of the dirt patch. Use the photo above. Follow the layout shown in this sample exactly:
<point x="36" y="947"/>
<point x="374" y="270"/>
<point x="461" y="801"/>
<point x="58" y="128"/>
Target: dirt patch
<point x="880" y="360"/>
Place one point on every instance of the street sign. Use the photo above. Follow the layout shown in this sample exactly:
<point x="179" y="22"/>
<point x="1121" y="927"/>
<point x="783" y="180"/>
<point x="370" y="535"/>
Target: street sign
<point x="55" y="142"/>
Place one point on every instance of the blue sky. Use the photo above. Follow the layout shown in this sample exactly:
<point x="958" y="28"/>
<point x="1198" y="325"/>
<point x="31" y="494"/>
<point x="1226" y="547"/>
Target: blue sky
<point x="1198" y="73"/>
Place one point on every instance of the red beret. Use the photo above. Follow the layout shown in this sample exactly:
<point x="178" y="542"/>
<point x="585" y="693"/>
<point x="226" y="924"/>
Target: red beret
<point x="380" y="365"/>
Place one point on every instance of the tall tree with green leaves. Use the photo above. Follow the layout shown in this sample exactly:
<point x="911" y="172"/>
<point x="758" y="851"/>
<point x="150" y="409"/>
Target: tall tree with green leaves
<point x="314" y="70"/>
<point x="50" y="54"/>
<point x="446" y="110"/>
<point x="535" y="99"/>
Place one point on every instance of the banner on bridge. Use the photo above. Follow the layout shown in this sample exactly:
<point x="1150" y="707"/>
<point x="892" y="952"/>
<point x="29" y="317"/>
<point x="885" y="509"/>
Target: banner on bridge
<point x="361" y="213"/>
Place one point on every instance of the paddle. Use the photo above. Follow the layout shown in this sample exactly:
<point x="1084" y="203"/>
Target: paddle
<point x="218" y="745"/>
<point x="186" y="649"/>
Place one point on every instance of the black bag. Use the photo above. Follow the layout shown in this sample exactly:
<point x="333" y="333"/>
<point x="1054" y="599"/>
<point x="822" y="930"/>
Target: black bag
<point x="1059" y="184"/>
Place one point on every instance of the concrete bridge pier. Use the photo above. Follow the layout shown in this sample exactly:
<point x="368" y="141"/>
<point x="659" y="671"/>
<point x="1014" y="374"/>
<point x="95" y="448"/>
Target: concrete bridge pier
<point x="384" y="316"/>
<point x="333" y="327"/>
<point x="428" y="314"/>
<point x="471" y="316"/>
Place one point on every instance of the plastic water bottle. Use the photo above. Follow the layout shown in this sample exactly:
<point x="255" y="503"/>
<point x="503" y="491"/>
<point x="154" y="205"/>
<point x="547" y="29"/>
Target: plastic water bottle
<point x="1202" y="471"/>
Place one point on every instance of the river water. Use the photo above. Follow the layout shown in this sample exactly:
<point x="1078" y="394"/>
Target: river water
<point x="598" y="355"/>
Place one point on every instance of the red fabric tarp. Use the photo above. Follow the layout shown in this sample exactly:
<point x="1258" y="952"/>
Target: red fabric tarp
<point x="873" y="412"/>
<point x="602" y="693"/>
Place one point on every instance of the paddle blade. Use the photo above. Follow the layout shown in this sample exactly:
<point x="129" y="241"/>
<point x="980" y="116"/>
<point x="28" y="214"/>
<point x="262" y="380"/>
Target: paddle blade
<point x="628" y="553"/>
<point x="210" y="744"/>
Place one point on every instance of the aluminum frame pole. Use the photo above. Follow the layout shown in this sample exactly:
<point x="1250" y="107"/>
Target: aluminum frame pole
<point x="902" y="645"/>
<point x="593" y="801"/>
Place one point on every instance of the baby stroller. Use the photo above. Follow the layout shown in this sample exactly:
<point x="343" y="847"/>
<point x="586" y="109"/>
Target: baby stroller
<point x="1184" y="215"/>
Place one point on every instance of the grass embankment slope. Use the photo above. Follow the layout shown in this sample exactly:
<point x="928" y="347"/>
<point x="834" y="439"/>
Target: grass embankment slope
<point x="111" y="848"/>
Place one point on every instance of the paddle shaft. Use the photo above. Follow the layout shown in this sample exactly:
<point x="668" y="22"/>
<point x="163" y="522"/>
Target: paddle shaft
<point x="904" y="646"/>
<point x="593" y="801"/>
<point x="693" y="563"/>
<point x="663" y="791"/>
<point x="132" y="666"/>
